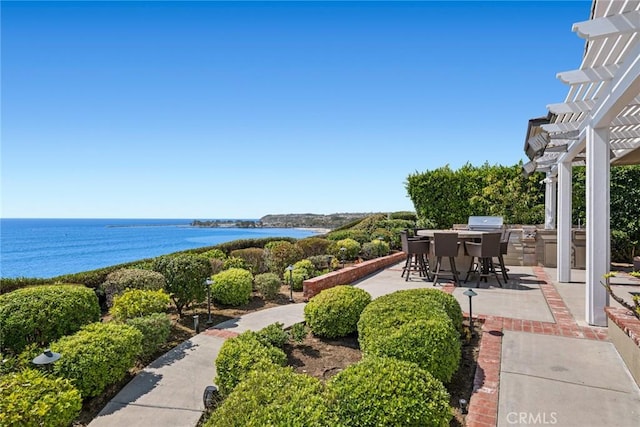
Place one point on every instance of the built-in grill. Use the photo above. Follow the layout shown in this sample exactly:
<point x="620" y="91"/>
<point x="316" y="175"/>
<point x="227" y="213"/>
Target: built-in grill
<point x="485" y="223"/>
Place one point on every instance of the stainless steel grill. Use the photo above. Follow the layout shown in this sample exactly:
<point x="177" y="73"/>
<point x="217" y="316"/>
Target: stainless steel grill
<point x="485" y="223"/>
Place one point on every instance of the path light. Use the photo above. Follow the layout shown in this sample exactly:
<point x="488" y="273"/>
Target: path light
<point x="463" y="405"/>
<point x="343" y="257"/>
<point x="209" y="283"/>
<point x="209" y="396"/>
<point x="470" y="294"/>
<point x="196" y="323"/>
<point x="290" y="270"/>
<point x="46" y="359"/>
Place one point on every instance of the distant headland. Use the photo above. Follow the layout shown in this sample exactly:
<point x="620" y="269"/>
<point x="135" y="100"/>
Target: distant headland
<point x="307" y="220"/>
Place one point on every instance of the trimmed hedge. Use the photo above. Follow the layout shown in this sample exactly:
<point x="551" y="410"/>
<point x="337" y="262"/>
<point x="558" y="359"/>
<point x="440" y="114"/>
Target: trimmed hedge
<point x="137" y="303"/>
<point x="253" y="258"/>
<point x="313" y="246"/>
<point x="375" y="249"/>
<point x="274" y="396"/>
<point x="98" y="355"/>
<point x="335" y="312"/>
<point x="302" y="270"/>
<point x="155" y="329"/>
<point x="131" y="278"/>
<point x="268" y="284"/>
<point x="388" y="392"/>
<point x="31" y="398"/>
<point x="352" y="249"/>
<point x="239" y="355"/>
<point x="413" y="325"/>
<point x="232" y="286"/>
<point x="45" y="313"/>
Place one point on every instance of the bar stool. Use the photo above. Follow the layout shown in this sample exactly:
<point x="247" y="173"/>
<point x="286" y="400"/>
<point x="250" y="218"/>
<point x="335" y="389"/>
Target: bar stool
<point x="504" y="248"/>
<point x="445" y="245"/>
<point x="417" y="261"/>
<point x="484" y="252"/>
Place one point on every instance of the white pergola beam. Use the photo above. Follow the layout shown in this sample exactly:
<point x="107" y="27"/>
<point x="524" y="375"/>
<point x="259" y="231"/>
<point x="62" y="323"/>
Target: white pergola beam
<point x="608" y="26"/>
<point x="574" y="77"/>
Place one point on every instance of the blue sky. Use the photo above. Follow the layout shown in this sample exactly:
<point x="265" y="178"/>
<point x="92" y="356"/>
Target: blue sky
<point x="242" y="109"/>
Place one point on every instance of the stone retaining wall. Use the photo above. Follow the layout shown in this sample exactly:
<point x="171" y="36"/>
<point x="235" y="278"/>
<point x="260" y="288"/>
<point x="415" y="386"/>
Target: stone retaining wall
<point x="624" y="333"/>
<point x="348" y="275"/>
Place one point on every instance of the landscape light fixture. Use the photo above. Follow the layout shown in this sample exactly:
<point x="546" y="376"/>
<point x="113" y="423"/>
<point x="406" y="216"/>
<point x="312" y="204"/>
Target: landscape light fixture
<point x="470" y="294"/>
<point x="463" y="405"/>
<point x="290" y="270"/>
<point x="209" y="283"/>
<point x="196" y="323"/>
<point x="210" y="394"/>
<point x="46" y="359"/>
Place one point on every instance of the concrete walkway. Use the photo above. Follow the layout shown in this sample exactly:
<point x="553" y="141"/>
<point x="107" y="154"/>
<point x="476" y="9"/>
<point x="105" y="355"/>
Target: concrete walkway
<point x="539" y="364"/>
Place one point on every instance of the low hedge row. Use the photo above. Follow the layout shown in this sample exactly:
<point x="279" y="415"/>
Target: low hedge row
<point x="98" y="355"/>
<point x="137" y="303"/>
<point x="155" y="329"/>
<point x="43" y="314"/>
<point x="32" y="398"/>
<point x="131" y="278"/>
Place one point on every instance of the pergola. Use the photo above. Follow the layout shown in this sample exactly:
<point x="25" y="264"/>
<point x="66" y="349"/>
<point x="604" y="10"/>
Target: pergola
<point x="598" y="125"/>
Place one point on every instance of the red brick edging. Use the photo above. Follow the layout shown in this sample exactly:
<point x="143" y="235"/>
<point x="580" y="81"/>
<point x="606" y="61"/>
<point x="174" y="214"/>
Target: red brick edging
<point x="626" y="321"/>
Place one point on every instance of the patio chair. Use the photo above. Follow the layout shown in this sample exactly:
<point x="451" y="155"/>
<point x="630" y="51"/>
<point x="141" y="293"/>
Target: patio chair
<point x="482" y="254"/>
<point x="445" y="245"/>
<point x="417" y="258"/>
<point x="504" y="248"/>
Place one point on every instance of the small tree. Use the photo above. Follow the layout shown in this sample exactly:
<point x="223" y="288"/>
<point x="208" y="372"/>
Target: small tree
<point x="185" y="276"/>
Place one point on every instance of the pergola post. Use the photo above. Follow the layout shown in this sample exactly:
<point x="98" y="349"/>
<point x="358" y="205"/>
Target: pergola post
<point x="598" y="233"/>
<point x="550" y="202"/>
<point x="564" y="222"/>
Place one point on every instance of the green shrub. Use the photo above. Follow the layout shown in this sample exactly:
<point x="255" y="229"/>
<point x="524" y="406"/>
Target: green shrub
<point x="239" y="355"/>
<point x="351" y="246"/>
<point x="413" y="325"/>
<point x="268" y="284"/>
<point x="232" y="287"/>
<point x="375" y="249"/>
<point x="131" y="278"/>
<point x="214" y="254"/>
<point x="388" y="392"/>
<point x="98" y="355"/>
<point x="334" y="312"/>
<point x="280" y="254"/>
<point x="322" y="262"/>
<point x="360" y="236"/>
<point x="138" y="303"/>
<point x="274" y="335"/>
<point x="233" y="262"/>
<point x="404" y="215"/>
<point x="155" y="329"/>
<point x="622" y="248"/>
<point x="253" y="259"/>
<point x="274" y="396"/>
<point x="302" y="270"/>
<point x="313" y="246"/>
<point x="43" y="314"/>
<point x="185" y="275"/>
<point x="31" y="398"/>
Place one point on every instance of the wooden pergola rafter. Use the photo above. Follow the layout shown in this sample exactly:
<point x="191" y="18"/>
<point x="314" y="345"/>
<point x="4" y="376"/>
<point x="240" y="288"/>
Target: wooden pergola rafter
<point x="598" y="125"/>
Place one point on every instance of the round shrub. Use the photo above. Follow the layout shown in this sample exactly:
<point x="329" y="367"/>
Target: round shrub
<point x="98" y="355"/>
<point x="432" y="344"/>
<point x="360" y="236"/>
<point x="44" y="313"/>
<point x="322" y="262"/>
<point x="313" y="246"/>
<point x="268" y="284"/>
<point x="449" y="303"/>
<point x="274" y="396"/>
<point x="232" y="287"/>
<point x="302" y="270"/>
<point x="131" y="278"/>
<point x="234" y="262"/>
<point x="31" y="398"/>
<point x="155" y="329"/>
<point x="253" y="259"/>
<point x="214" y="254"/>
<point x="281" y="253"/>
<point x="138" y="303"/>
<point x="334" y="312"/>
<point x="239" y="355"/>
<point x="274" y="334"/>
<point x="388" y="392"/>
<point x="351" y="246"/>
<point x="375" y="249"/>
<point x="413" y="325"/>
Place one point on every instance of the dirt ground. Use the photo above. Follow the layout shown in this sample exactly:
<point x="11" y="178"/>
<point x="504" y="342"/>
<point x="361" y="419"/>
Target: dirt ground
<point x="320" y="358"/>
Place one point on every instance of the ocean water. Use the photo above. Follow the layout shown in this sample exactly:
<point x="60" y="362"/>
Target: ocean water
<point x="52" y="247"/>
